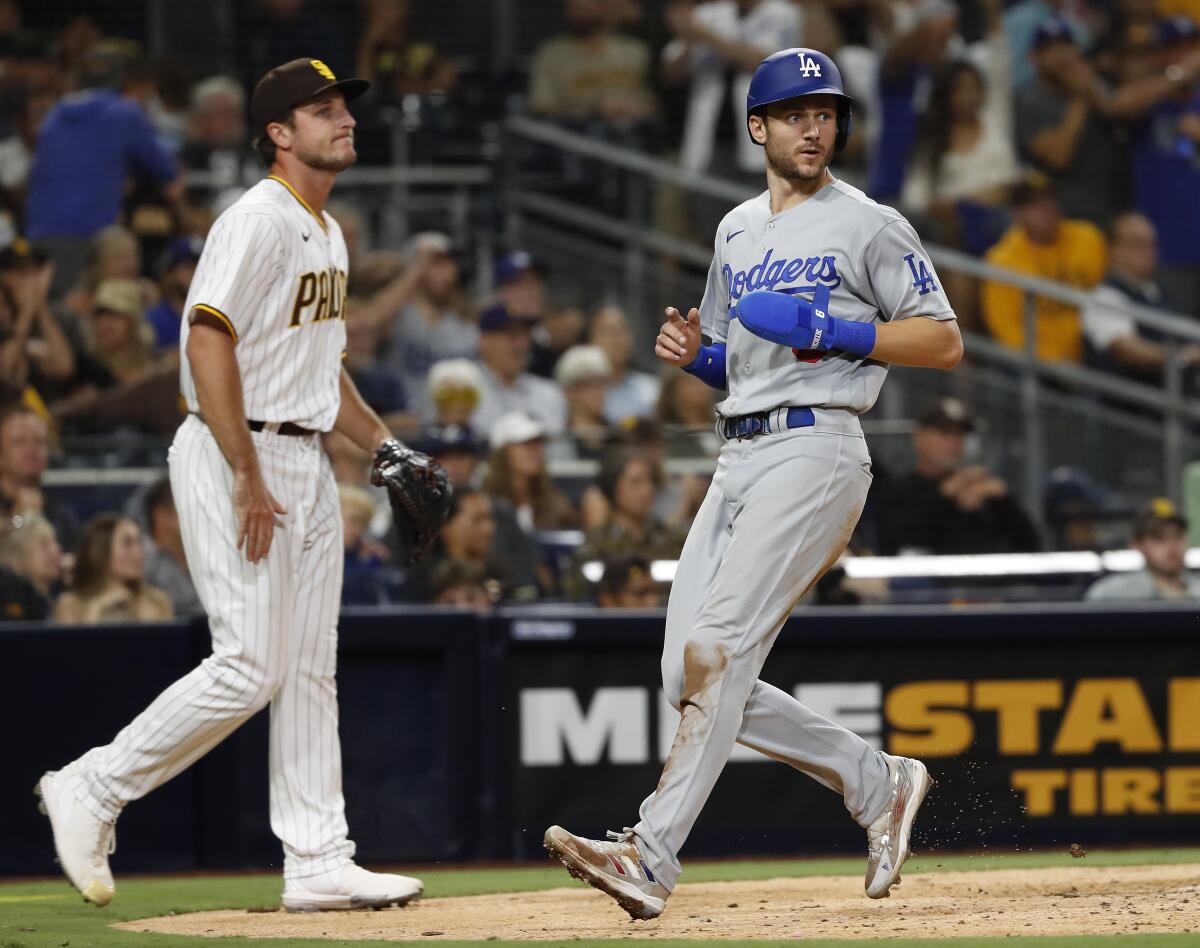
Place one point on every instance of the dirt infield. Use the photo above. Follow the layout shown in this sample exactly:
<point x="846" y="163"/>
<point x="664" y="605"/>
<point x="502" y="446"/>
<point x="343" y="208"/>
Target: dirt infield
<point x="1078" y="900"/>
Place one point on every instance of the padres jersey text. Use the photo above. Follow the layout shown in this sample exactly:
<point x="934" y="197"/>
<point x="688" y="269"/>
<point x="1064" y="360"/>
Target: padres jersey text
<point x="275" y="274"/>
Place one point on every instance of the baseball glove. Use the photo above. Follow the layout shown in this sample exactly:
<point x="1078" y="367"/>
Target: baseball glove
<point x="419" y="491"/>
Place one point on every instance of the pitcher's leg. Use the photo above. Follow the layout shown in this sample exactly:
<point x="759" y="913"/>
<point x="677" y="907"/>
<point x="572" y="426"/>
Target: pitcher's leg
<point x="307" y="808"/>
<point x="247" y="604"/>
<point x="795" y="514"/>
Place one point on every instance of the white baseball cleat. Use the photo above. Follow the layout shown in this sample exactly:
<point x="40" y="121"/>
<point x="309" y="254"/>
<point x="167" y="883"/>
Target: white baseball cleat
<point x="82" y="842"/>
<point x="347" y="888"/>
<point x="888" y="837"/>
<point x="615" y="868"/>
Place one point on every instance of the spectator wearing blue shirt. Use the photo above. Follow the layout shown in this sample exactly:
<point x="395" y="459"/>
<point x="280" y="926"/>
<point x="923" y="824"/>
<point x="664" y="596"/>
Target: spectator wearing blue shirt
<point x="179" y="265"/>
<point x="90" y="144"/>
<point x="905" y="78"/>
<point x="1167" y="159"/>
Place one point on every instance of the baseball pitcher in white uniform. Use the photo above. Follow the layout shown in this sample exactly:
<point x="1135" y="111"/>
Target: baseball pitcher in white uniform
<point x="813" y="291"/>
<point x="263" y="337"/>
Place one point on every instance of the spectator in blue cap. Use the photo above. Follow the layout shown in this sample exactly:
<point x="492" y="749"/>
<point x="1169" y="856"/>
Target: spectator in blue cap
<point x="520" y="282"/>
<point x="504" y="343"/>
<point x="457" y="449"/>
<point x="178" y="267"/>
<point x="1021" y="22"/>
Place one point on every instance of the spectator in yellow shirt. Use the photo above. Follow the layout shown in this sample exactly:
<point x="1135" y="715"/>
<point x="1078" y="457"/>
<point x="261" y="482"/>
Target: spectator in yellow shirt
<point x="1041" y="243"/>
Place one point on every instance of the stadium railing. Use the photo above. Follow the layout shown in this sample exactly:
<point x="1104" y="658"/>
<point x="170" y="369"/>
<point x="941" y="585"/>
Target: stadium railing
<point x="1039" y="415"/>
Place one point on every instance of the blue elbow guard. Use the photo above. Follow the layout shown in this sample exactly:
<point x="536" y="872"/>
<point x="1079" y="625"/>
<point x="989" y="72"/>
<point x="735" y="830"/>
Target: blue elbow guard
<point x="792" y="321"/>
<point x="709" y="366"/>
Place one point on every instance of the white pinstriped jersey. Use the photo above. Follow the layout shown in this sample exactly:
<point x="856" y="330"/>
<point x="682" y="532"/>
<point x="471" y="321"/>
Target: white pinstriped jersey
<point x="275" y="274"/>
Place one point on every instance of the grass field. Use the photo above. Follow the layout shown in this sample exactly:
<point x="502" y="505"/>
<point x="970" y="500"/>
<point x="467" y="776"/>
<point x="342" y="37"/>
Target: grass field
<point x="48" y="914"/>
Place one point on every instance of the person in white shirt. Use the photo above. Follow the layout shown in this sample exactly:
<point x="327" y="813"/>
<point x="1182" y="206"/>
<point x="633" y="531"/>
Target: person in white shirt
<point x="711" y="40"/>
<point x="504" y="342"/>
<point x="1160" y="534"/>
<point x="1114" y="339"/>
<point x="966" y="150"/>
<point x="631" y="394"/>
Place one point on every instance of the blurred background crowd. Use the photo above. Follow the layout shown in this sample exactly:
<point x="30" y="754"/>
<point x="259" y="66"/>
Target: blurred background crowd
<point x="1054" y="139"/>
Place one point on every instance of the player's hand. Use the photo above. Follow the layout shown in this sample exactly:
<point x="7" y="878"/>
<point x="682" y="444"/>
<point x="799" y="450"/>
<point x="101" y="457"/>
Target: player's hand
<point x="256" y="511"/>
<point x="678" y="341"/>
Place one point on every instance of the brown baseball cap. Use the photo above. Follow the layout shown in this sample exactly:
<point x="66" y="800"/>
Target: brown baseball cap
<point x="945" y="414"/>
<point x="286" y="86"/>
<point x="1159" y="513"/>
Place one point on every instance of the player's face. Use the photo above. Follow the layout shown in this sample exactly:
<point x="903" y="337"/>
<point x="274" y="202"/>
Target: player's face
<point x="323" y="134"/>
<point x="799" y="136"/>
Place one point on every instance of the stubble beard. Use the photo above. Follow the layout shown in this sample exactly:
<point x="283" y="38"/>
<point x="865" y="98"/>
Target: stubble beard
<point x="782" y="163"/>
<point x="320" y="162"/>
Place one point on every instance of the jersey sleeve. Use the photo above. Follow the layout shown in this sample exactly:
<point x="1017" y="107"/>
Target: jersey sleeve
<point x="714" y="307"/>
<point x="901" y="276"/>
<point x="242" y="258"/>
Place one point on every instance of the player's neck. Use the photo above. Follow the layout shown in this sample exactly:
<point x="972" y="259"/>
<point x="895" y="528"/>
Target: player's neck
<point x="786" y="193"/>
<point x="312" y="185"/>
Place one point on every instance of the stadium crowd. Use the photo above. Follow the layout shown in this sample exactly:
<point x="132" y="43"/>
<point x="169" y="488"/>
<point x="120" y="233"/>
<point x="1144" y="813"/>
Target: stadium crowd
<point x="1058" y="138"/>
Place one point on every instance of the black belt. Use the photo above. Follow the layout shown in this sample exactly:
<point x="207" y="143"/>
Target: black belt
<point x="273" y="427"/>
<point x="749" y="426"/>
<point x="280" y="427"/>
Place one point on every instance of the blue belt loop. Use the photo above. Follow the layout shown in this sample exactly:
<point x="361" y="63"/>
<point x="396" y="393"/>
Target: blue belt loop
<point x="800" y="418"/>
<point x="750" y="426"/>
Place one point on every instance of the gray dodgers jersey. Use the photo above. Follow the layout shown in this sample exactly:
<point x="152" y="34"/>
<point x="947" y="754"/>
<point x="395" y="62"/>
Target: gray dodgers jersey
<point x="868" y="255"/>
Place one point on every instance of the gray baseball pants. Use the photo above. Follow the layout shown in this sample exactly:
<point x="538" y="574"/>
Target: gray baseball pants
<point x="779" y="513"/>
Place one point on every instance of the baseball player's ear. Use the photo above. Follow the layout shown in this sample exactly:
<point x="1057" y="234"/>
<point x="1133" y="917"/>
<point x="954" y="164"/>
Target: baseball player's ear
<point x="280" y="134"/>
<point x="758" y="128"/>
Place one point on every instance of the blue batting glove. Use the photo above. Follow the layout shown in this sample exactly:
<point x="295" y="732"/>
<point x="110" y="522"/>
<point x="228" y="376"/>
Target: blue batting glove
<point x="795" y="322"/>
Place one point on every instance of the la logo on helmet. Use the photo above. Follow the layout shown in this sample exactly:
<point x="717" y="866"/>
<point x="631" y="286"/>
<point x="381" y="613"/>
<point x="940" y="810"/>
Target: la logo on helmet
<point x="808" y="66"/>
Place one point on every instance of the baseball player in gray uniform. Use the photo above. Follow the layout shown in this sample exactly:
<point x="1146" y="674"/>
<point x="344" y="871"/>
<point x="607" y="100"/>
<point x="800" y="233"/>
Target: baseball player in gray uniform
<point x="813" y="290"/>
<point x="262" y="375"/>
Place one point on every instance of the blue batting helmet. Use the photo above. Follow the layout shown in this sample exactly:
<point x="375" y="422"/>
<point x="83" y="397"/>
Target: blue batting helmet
<point x="799" y="71"/>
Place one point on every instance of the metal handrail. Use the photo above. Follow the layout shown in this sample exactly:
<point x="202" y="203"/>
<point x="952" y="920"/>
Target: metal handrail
<point x="550" y="134"/>
<point x="1173" y="324"/>
<point x="1139" y="393"/>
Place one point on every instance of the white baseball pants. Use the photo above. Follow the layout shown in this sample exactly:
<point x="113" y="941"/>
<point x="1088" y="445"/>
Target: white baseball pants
<point x="274" y="635"/>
